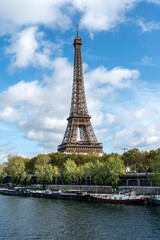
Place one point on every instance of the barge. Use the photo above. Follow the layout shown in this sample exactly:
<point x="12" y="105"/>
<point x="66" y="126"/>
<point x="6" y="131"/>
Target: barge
<point x="15" y="192"/>
<point x="130" y="198"/>
<point x="80" y="196"/>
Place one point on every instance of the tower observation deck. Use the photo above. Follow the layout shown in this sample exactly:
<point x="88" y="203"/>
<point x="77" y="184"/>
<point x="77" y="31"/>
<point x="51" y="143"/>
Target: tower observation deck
<point x="79" y="136"/>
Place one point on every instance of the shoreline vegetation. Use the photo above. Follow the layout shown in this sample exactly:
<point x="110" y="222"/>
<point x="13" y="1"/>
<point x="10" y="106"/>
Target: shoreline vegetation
<point x="105" y="169"/>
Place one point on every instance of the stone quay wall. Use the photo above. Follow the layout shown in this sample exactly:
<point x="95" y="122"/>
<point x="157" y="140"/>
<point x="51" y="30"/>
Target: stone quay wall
<point x="103" y="189"/>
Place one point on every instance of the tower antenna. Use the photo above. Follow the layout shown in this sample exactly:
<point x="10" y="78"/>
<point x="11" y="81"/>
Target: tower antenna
<point x="77" y="31"/>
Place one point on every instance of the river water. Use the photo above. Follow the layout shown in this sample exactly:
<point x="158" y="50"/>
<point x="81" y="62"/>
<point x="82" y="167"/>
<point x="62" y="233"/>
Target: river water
<point x="35" y="218"/>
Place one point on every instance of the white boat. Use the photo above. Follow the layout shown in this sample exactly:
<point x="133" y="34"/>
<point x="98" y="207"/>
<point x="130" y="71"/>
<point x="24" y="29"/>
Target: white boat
<point x="118" y="198"/>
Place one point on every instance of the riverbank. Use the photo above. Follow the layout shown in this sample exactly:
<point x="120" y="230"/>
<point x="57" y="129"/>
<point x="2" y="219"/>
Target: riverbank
<point x="148" y="190"/>
<point x="102" y="189"/>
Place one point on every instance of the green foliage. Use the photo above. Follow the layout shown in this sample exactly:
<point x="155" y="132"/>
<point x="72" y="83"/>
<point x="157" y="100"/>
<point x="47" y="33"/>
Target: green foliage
<point x="80" y="172"/>
<point x="56" y="173"/>
<point x="98" y="172"/>
<point x="113" y="169"/>
<point x="28" y="179"/>
<point x="16" y="168"/>
<point x="59" y="159"/>
<point x="155" y="167"/>
<point x="108" y="171"/>
<point x="138" y="161"/>
<point x="43" y="169"/>
<point x="49" y="173"/>
<point x="3" y="174"/>
<point x="105" y="169"/>
<point x="42" y="159"/>
<point x="30" y="165"/>
<point x="70" y="171"/>
<point x="88" y="170"/>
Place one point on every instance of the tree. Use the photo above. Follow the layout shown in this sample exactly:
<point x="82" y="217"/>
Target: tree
<point x="3" y="174"/>
<point x="30" y="165"/>
<point x="28" y="179"/>
<point x="80" y="173"/>
<point x="113" y="169"/>
<point x="43" y="169"/>
<point x="98" y="172"/>
<point x="88" y="170"/>
<point x="56" y="173"/>
<point x="15" y="167"/>
<point x="155" y="167"/>
<point x="70" y="171"/>
<point x="137" y="161"/>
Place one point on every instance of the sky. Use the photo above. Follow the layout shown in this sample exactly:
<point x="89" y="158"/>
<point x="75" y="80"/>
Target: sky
<point x="121" y="63"/>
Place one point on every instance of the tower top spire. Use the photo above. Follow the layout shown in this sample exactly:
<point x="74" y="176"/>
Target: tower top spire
<point x="77" y="39"/>
<point x="77" y="31"/>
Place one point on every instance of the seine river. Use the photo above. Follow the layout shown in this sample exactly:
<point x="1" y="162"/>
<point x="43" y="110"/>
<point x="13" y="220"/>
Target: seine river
<point x="33" y="218"/>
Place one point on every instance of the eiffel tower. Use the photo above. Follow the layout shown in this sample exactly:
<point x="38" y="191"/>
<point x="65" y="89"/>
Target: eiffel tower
<point x="79" y="136"/>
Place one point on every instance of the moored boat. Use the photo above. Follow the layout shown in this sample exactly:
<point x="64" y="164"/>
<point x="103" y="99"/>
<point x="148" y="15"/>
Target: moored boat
<point x="15" y="192"/>
<point x="155" y="199"/>
<point x="118" y="198"/>
<point x="76" y="195"/>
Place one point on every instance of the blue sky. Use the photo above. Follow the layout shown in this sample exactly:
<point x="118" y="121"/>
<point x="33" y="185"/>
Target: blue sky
<point x="121" y="61"/>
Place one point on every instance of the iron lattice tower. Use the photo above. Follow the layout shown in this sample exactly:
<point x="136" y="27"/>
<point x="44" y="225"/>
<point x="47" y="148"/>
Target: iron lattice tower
<point x="79" y="136"/>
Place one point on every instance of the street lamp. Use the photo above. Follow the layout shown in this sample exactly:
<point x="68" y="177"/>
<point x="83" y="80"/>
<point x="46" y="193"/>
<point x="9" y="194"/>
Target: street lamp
<point x="124" y="149"/>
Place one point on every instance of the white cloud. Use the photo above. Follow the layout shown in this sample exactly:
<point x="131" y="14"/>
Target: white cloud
<point x="103" y="14"/>
<point x="148" y="26"/>
<point x="110" y="118"/>
<point x="102" y="134"/>
<point x="9" y="114"/>
<point x="101" y="82"/>
<point x="29" y="48"/>
<point x="29" y="92"/>
<point x="43" y="108"/>
<point x="36" y="94"/>
<point x="123" y="116"/>
<point x="31" y="12"/>
<point x="118" y="77"/>
<point x="146" y="137"/>
<point x="135" y="123"/>
<point x="27" y="45"/>
<point x="97" y="15"/>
